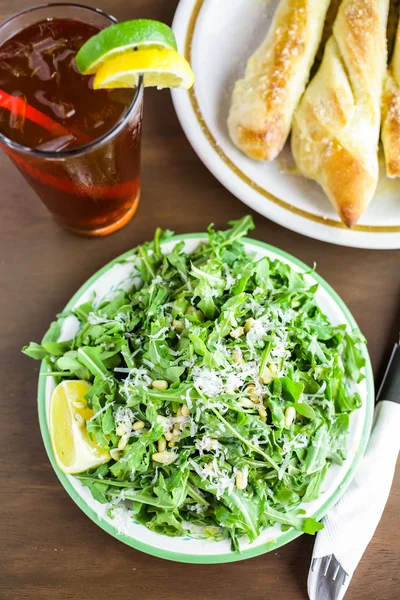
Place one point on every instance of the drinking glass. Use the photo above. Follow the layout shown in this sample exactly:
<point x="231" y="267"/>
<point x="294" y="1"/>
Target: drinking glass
<point x="93" y="189"/>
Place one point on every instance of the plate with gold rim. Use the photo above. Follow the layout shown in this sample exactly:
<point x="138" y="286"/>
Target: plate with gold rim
<point x="217" y="37"/>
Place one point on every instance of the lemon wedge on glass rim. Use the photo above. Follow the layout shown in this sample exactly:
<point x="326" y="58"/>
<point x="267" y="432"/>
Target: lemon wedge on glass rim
<point x="161" y="68"/>
<point x="73" y="449"/>
<point x="121" y="53"/>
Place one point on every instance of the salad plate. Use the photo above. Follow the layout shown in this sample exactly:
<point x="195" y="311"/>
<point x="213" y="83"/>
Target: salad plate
<point x="194" y="546"/>
<point x="218" y="40"/>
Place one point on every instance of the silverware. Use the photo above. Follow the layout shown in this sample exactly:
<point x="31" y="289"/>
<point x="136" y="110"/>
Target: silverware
<point x="328" y="566"/>
<point x="331" y="576"/>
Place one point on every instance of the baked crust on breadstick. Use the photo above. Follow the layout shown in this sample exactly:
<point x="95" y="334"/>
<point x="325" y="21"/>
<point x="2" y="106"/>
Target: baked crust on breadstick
<point x="335" y="129"/>
<point x="391" y="112"/>
<point x="276" y="75"/>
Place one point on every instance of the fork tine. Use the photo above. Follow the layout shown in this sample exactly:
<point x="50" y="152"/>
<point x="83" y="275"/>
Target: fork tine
<point x="336" y="571"/>
<point x="327" y="563"/>
<point x="314" y="562"/>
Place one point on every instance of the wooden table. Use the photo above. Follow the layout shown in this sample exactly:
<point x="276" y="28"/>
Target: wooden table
<point x="49" y="548"/>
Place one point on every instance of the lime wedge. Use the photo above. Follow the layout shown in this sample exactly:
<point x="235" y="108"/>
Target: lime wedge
<point x="120" y="38"/>
<point x="160" y="68"/>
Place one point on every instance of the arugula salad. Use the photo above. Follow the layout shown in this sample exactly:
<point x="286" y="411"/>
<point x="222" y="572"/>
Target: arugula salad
<point x="219" y="388"/>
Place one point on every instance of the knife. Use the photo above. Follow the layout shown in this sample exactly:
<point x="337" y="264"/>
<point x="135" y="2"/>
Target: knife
<point x="350" y="525"/>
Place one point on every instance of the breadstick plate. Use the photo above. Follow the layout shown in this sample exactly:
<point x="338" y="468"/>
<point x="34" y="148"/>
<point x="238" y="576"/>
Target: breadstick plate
<point x="218" y="37"/>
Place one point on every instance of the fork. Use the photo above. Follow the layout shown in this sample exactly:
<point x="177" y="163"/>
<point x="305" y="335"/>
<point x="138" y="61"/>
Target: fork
<point x="328" y="566"/>
<point x="350" y="525"/>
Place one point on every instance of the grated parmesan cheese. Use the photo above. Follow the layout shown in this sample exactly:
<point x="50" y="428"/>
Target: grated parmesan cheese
<point x="99" y="412"/>
<point x="218" y="478"/>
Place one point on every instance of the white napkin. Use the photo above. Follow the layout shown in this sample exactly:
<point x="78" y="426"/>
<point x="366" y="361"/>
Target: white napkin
<point x="350" y="525"/>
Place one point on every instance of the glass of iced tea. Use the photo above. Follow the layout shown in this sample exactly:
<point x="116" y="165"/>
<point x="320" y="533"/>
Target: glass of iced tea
<point x="78" y="148"/>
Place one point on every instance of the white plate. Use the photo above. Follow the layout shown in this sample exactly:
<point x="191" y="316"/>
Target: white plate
<point x="188" y="549"/>
<point x="217" y="37"/>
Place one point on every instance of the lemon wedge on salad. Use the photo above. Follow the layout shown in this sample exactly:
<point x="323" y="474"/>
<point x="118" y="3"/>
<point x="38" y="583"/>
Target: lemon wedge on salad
<point x="73" y="449"/>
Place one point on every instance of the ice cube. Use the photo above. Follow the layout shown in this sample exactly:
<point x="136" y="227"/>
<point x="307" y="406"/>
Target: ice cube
<point x="13" y="70"/>
<point x="48" y="45"/>
<point x="13" y="49"/>
<point x="60" y="57"/>
<point x="39" y="67"/>
<point x="36" y="60"/>
<point x="18" y="112"/>
<point x="57" y="144"/>
<point x="46" y="30"/>
<point x="60" y="107"/>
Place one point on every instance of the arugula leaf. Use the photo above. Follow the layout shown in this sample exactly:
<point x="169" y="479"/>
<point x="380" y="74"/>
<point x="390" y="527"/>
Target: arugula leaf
<point x="291" y="390"/>
<point x="292" y="518"/>
<point x="53" y="333"/>
<point x="354" y="360"/>
<point x="98" y="489"/>
<point x="313" y="490"/>
<point x="166" y="522"/>
<point x="304" y="409"/>
<point x="36" y="351"/>
<point x="91" y="358"/>
<point x="317" y="451"/>
<point x="244" y="510"/>
<point x="108" y="422"/>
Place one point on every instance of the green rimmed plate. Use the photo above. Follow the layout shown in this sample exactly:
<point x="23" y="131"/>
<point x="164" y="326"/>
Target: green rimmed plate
<point x="117" y="274"/>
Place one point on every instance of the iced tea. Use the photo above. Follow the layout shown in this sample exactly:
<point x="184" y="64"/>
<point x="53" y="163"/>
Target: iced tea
<point x="79" y="148"/>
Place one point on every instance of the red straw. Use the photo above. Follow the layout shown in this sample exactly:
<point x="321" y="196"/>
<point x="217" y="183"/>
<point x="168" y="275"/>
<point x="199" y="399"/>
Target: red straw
<point x="18" y="106"/>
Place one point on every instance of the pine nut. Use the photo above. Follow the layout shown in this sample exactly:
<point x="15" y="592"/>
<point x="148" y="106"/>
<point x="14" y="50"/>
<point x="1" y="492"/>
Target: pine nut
<point x="168" y="436"/>
<point x="200" y="315"/>
<point x="246" y="403"/>
<point x="177" y="325"/>
<point x="190" y="310"/>
<point x="176" y="433"/>
<point x="78" y="404"/>
<point x="162" y="444"/>
<point x="179" y="412"/>
<point x="171" y="444"/>
<point x="185" y="410"/>
<point x="159" y="384"/>
<point x="121" y="429"/>
<point x="251" y="390"/>
<point x="123" y="442"/>
<point x="249" y="324"/>
<point x="237" y="333"/>
<point x="262" y="411"/>
<point x="165" y="458"/>
<point x="237" y="357"/>
<point x="115" y="454"/>
<point x="290" y="415"/>
<point x="138" y="426"/>
<point x="79" y="419"/>
<point x="241" y="480"/>
<point x="267" y="376"/>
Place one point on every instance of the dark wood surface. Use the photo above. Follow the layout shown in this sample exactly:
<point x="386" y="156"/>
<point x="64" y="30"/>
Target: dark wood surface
<point x="48" y="548"/>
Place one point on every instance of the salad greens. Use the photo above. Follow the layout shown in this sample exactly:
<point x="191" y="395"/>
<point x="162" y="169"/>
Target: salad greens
<point x="219" y="386"/>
